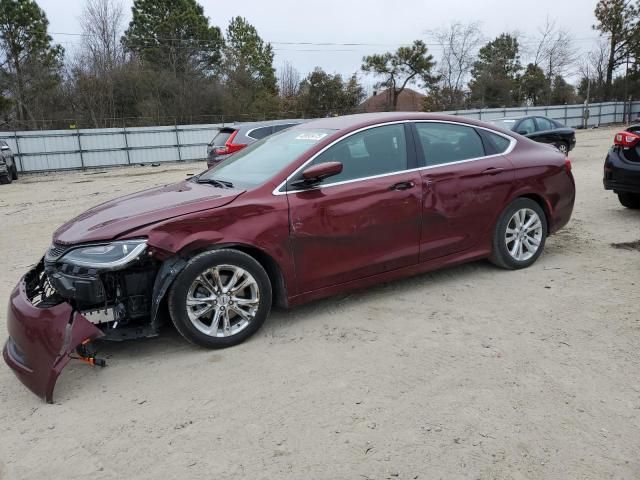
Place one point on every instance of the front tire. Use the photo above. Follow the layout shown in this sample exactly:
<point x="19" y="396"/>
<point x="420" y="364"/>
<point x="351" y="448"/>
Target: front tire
<point x="220" y="299"/>
<point x="15" y="172"/>
<point x="630" y="200"/>
<point x="6" y="179"/>
<point x="519" y="235"/>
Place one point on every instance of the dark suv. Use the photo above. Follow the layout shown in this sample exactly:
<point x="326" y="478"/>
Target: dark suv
<point x="622" y="167"/>
<point x="8" y="169"/>
<point x="235" y="137"/>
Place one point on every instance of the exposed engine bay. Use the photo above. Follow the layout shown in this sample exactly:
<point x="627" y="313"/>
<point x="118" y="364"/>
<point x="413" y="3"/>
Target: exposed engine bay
<point x="118" y="299"/>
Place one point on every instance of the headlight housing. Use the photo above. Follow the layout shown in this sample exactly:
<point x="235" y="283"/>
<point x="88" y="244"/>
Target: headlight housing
<point x="106" y="255"/>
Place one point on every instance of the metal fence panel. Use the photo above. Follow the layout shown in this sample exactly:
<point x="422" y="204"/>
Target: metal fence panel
<point x="88" y="148"/>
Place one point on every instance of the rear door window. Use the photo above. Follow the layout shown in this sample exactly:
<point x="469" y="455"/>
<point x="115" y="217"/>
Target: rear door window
<point x="544" y="124"/>
<point x="260" y="133"/>
<point x="496" y="143"/>
<point x="447" y="142"/>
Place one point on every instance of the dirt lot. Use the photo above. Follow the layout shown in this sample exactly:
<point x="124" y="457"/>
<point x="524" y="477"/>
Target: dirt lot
<point x="470" y="372"/>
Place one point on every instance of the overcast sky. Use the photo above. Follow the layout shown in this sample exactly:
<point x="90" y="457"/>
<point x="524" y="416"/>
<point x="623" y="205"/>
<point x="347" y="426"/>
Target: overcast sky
<point x="383" y="25"/>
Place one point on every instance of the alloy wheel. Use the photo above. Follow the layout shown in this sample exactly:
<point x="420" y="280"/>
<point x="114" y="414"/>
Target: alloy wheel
<point x="523" y="236"/>
<point x="563" y="149"/>
<point x="223" y="300"/>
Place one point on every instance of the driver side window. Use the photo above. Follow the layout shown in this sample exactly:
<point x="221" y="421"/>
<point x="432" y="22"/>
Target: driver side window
<point x="374" y="151"/>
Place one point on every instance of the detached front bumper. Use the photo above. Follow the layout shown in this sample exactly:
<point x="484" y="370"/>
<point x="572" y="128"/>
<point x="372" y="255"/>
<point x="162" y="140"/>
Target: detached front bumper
<point x="41" y="340"/>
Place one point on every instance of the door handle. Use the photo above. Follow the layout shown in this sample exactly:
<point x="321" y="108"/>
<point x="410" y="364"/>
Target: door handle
<point x="492" y="171"/>
<point x="402" y="186"/>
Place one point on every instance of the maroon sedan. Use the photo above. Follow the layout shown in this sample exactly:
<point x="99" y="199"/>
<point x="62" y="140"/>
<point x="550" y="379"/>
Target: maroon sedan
<point x="322" y="208"/>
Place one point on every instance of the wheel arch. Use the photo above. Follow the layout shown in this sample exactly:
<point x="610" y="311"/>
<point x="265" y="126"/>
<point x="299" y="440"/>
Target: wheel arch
<point x="271" y="266"/>
<point x="542" y="203"/>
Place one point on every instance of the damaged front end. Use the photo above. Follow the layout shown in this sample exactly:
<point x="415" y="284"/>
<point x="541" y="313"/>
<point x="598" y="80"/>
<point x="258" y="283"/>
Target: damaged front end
<point x="77" y="294"/>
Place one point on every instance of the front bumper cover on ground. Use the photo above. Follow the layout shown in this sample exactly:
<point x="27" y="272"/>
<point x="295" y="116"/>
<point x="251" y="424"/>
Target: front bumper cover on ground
<point x="41" y="340"/>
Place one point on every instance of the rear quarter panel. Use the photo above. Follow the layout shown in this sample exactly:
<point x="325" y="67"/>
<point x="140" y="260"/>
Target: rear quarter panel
<point x="540" y="173"/>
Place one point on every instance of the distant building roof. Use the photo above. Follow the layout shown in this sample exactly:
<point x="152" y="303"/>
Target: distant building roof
<point x="408" y="101"/>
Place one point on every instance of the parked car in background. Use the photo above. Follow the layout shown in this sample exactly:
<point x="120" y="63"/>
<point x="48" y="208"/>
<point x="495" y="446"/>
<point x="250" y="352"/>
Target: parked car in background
<point x="322" y="208"/>
<point x="8" y="168"/>
<point x="541" y="129"/>
<point x="622" y="167"/>
<point x="235" y="137"/>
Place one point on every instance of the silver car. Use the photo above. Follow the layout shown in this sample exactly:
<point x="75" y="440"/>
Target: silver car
<point x="235" y="137"/>
<point x="8" y="169"/>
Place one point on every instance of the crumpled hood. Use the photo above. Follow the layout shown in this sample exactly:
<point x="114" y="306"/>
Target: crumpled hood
<point x="117" y="217"/>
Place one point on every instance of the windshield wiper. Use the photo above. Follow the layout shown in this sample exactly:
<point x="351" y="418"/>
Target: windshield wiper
<point x="215" y="182"/>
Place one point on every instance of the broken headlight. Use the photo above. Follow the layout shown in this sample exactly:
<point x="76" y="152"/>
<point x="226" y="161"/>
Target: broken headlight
<point x="108" y="255"/>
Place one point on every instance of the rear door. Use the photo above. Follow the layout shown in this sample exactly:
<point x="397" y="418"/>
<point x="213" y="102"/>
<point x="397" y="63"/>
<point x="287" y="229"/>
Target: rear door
<point x="465" y="185"/>
<point x="546" y="131"/>
<point x="364" y="221"/>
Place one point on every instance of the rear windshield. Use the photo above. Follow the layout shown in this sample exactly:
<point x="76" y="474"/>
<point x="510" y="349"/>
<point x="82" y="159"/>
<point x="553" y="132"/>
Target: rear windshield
<point x="258" y="162"/>
<point x="221" y="138"/>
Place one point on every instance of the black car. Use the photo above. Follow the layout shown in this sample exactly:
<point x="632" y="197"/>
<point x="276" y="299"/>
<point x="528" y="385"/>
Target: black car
<point x="541" y="129"/>
<point x="622" y="167"/>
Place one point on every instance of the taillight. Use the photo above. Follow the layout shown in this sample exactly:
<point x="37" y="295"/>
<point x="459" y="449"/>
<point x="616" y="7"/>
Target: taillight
<point x="626" y="139"/>
<point x="230" y="147"/>
<point x="567" y="165"/>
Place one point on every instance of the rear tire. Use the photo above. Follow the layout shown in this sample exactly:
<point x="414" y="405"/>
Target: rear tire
<point x="519" y="235"/>
<point x="15" y="172"/>
<point x="563" y="147"/>
<point x="630" y="200"/>
<point x="220" y="299"/>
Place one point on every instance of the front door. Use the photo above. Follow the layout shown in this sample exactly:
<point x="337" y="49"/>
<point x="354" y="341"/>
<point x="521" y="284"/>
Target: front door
<point x="362" y="222"/>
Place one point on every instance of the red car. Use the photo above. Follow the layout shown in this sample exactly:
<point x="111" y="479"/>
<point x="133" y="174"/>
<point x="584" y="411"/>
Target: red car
<point x="324" y="207"/>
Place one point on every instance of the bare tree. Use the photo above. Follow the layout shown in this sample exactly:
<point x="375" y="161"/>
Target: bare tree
<point x="593" y="71"/>
<point x="102" y="26"/>
<point x="288" y="80"/>
<point x="100" y="55"/>
<point x="555" y="50"/>
<point x="459" y="43"/>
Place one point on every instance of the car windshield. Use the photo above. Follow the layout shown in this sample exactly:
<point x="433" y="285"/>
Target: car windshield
<point x="506" y="123"/>
<point x="258" y="162"/>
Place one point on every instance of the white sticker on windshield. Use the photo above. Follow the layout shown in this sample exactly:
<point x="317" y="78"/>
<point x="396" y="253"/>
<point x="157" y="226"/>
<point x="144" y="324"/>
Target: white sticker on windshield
<point x="311" y="136"/>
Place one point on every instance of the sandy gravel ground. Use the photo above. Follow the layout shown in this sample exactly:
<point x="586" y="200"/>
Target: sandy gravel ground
<point x="470" y="373"/>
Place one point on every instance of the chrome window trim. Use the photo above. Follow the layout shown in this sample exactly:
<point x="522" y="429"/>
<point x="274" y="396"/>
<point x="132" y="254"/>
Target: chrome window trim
<point x="509" y="149"/>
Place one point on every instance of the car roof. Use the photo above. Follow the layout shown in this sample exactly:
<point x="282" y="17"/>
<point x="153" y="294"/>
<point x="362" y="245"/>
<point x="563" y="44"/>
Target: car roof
<point x="264" y="123"/>
<point x="361" y="120"/>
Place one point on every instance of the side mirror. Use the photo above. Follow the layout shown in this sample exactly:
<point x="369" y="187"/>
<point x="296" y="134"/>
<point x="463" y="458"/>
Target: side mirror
<point x="522" y="132"/>
<point x="4" y="147"/>
<point x="316" y="173"/>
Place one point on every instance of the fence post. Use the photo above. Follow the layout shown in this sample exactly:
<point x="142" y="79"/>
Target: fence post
<point x="615" y="112"/>
<point x="80" y="146"/>
<point x="599" y="114"/>
<point x="566" y="113"/>
<point x="480" y="114"/>
<point x="15" y="135"/>
<point x="177" y="140"/>
<point x="126" y="143"/>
